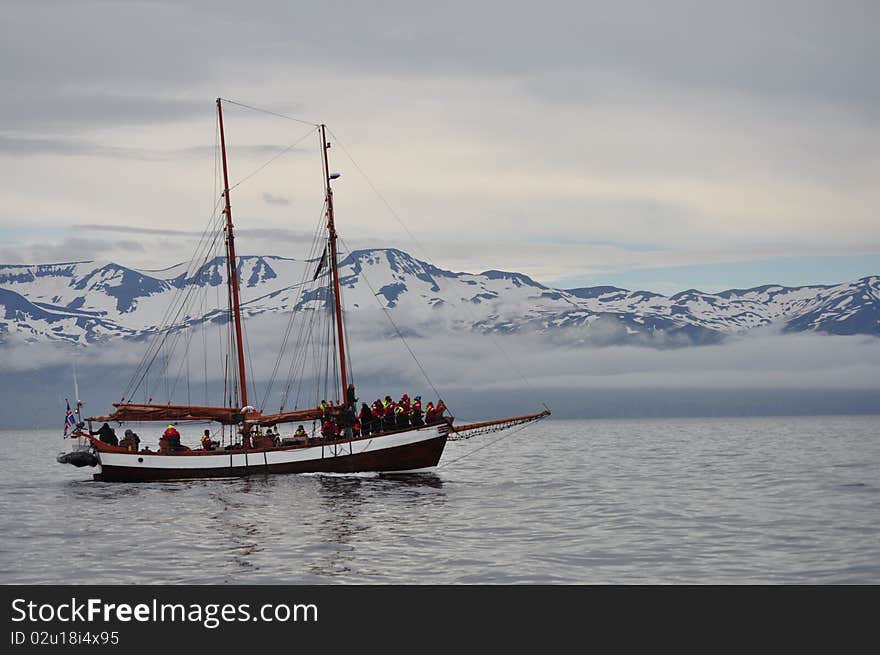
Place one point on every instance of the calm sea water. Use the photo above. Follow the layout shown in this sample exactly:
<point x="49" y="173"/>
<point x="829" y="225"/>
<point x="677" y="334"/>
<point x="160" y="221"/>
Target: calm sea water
<point x="763" y="500"/>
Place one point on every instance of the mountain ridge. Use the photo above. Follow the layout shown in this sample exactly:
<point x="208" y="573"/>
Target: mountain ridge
<point x="90" y="301"/>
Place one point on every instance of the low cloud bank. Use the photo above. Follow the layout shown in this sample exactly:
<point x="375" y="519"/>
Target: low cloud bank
<point x="481" y="375"/>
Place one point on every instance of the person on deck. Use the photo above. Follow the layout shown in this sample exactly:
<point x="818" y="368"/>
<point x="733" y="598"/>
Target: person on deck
<point x="106" y="434"/>
<point x="131" y="441"/>
<point x="378" y="415"/>
<point x="366" y="419"/>
<point x="207" y="442"/>
<point x="400" y="418"/>
<point x="430" y="413"/>
<point x="171" y="437"/>
<point x="301" y="434"/>
<point x="389" y="415"/>
<point x="329" y="430"/>
<point x="415" y="412"/>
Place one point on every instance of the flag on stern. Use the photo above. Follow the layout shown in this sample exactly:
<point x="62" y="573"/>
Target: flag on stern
<point x="69" y="421"/>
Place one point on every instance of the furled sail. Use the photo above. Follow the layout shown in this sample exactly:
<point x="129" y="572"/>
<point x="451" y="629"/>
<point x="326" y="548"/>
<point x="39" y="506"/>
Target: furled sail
<point x="137" y="412"/>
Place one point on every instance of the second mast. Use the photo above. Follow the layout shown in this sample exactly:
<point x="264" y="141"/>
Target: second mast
<point x="232" y="266"/>
<point x="331" y="228"/>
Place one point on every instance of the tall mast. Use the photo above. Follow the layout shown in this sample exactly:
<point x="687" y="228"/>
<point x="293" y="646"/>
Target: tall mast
<point x="331" y="227"/>
<point x="232" y="266"/>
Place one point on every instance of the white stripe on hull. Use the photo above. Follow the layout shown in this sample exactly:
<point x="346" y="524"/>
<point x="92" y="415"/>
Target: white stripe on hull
<point x="234" y="462"/>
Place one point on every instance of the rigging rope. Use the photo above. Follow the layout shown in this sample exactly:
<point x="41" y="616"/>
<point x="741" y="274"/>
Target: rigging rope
<point x="170" y="333"/>
<point x="486" y="445"/>
<point x="170" y="316"/>
<point x="397" y="330"/>
<point x="250" y="359"/>
<point x="174" y="333"/>
<point x="424" y="252"/>
<point x="464" y="432"/>
<point x="316" y="241"/>
<point x="348" y="350"/>
<point x="271" y="113"/>
<point x="272" y="159"/>
<point x="173" y="336"/>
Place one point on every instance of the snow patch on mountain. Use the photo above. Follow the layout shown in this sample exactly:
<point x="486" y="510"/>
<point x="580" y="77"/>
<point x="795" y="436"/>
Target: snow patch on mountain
<point x="89" y="302"/>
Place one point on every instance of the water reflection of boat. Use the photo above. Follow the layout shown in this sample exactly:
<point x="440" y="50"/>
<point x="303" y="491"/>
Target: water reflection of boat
<point x="417" y="479"/>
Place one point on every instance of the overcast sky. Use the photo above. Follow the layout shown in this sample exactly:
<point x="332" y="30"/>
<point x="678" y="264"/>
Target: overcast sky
<point x="650" y="145"/>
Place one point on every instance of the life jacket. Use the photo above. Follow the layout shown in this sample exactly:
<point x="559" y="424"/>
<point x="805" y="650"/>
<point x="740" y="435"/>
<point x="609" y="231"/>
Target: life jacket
<point x="300" y="432"/>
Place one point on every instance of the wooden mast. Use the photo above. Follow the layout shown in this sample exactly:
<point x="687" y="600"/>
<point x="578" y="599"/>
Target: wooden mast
<point x="331" y="227"/>
<point x="232" y="268"/>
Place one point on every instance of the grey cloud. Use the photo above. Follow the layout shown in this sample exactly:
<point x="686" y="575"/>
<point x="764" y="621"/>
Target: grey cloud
<point x="767" y="361"/>
<point x="276" y="234"/>
<point x="127" y="245"/>
<point x="262" y="234"/>
<point x="466" y="363"/>
<point x="137" y="230"/>
<point x="70" y="249"/>
<point x="134" y="62"/>
<point x="23" y="146"/>
<point x="275" y="200"/>
<point x="789" y="48"/>
<point x="56" y="109"/>
<point x="175" y="245"/>
<point x="656" y="76"/>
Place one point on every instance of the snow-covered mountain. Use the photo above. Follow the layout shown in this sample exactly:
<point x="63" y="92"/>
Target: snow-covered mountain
<point x="89" y="302"/>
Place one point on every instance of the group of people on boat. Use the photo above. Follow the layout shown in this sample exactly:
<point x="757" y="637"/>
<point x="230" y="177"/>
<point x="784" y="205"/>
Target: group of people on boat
<point x="383" y="415"/>
<point x="170" y="440"/>
<point x="131" y="441"/>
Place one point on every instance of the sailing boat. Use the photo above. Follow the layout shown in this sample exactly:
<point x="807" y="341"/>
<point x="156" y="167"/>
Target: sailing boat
<point x="410" y="444"/>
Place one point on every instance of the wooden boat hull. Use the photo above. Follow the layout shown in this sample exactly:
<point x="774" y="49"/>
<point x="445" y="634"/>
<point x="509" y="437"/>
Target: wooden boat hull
<point x="398" y="451"/>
